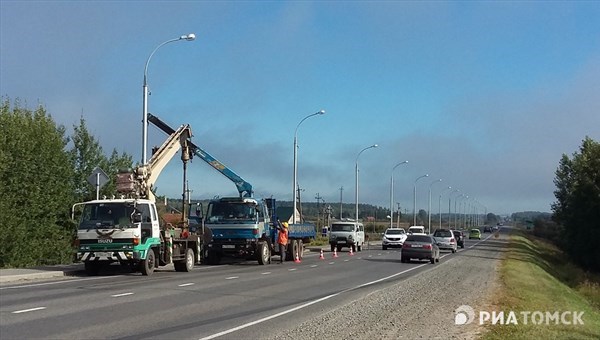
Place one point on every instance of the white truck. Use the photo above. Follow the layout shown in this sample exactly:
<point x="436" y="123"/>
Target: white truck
<point x="127" y="229"/>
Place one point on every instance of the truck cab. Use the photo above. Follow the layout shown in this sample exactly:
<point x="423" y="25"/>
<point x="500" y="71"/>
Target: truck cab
<point x="350" y="234"/>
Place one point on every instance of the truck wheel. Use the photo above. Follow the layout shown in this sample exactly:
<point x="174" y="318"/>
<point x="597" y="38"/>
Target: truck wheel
<point x="187" y="264"/>
<point x="213" y="258"/>
<point x="147" y="265"/>
<point x="300" y="249"/>
<point x="353" y="248"/>
<point x="359" y="247"/>
<point x="263" y="253"/>
<point x="332" y="248"/>
<point x="92" y="267"/>
<point x="293" y="250"/>
<point x="339" y="248"/>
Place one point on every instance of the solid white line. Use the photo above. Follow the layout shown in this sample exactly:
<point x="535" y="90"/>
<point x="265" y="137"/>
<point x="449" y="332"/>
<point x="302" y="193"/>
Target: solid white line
<point x="232" y="277"/>
<point x="235" y="329"/>
<point x="28" y="310"/>
<point x="123" y="294"/>
<point x="59" y="282"/>
<point x="186" y="284"/>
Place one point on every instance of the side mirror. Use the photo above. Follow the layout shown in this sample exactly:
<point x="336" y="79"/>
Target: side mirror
<point x="199" y="210"/>
<point x="137" y="217"/>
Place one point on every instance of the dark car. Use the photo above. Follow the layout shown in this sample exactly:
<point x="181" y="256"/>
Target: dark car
<point x="460" y="238"/>
<point x="420" y="247"/>
<point x="487" y="229"/>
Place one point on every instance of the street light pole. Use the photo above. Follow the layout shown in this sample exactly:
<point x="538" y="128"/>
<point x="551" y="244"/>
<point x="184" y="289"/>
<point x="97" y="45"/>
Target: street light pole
<point x="440" y="206"/>
<point x="187" y="37"/>
<point x="415" y="198"/>
<point x="429" y="207"/>
<point x="356" y="177"/>
<point x="322" y="112"/>
<point x="449" y="212"/>
<point x="392" y="193"/>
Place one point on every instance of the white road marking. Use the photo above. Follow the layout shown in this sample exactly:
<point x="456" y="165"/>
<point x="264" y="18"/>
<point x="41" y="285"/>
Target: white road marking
<point x="291" y="269"/>
<point x="58" y="282"/>
<point x="28" y="310"/>
<point x="235" y="329"/>
<point x="265" y="273"/>
<point x="186" y="284"/>
<point x="232" y="277"/>
<point x="122" y="294"/>
<point x="314" y="265"/>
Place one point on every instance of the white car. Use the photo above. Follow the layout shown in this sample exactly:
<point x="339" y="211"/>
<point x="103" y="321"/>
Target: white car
<point x="393" y="237"/>
<point x="445" y="239"/>
<point x="416" y="230"/>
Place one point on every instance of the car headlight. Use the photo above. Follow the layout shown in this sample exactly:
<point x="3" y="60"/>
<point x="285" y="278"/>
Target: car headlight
<point x="332" y="237"/>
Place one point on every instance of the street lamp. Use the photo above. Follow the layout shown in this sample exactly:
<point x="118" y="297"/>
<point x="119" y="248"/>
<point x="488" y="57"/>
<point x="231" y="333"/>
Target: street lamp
<point x="392" y="193"/>
<point x="429" y="207"/>
<point x="449" y="201"/>
<point x="356" y="177"/>
<point x="322" y="112"/>
<point x="187" y="37"/>
<point x="440" y="205"/>
<point x="415" y="198"/>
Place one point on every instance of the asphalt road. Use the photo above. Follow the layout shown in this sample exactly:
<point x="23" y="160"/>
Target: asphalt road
<point x="241" y="300"/>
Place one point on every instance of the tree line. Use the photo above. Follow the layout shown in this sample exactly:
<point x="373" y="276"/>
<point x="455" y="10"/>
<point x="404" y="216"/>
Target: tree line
<point x="43" y="172"/>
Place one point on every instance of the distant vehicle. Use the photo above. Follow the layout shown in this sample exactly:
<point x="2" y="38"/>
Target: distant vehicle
<point x="393" y="237"/>
<point x="420" y="247"/>
<point x="487" y="229"/>
<point x="416" y="230"/>
<point x="460" y="238"/>
<point x="349" y="234"/>
<point x="495" y="228"/>
<point x="445" y="239"/>
<point x="475" y="233"/>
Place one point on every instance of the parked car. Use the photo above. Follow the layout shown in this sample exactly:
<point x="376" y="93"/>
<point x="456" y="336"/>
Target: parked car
<point x="475" y="233"/>
<point x="445" y="239"/>
<point x="420" y="247"/>
<point x="487" y="229"/>
<point x="460" y="238"/>
<point x="416" y="230"/>
<point x="393" y="237"/>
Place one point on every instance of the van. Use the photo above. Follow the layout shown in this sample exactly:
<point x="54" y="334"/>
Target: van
<point x="416" y="230"/>
<point x="348" y="234"/>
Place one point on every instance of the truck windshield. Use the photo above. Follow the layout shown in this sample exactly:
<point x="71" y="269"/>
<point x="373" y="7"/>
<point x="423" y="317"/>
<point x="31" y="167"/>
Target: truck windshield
<point x="231" y="212"/>
<point x="342" y="227"/>
<point x="106" y="215"/>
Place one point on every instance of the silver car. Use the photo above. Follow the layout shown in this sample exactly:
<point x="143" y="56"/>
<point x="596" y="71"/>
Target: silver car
<point x="445" y="239"/>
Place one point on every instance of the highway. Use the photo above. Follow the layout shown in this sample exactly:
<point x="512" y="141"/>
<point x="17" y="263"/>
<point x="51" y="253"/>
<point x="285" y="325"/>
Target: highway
<point x="237" y="300"/>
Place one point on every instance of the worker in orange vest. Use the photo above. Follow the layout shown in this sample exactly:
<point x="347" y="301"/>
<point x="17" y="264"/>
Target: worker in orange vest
<point x="282" y="239"/>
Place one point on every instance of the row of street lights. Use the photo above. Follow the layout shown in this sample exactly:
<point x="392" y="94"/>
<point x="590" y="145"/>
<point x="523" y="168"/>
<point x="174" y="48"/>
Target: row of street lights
<point x="191" y="37"/>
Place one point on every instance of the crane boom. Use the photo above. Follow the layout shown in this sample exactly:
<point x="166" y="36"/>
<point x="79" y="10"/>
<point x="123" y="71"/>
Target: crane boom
<point x="244" y="188"/>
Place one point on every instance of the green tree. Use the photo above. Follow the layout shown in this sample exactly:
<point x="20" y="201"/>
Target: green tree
<point x="87" y="154"/>
<point x="577" y="206"/>
<point x="35" y="186"/>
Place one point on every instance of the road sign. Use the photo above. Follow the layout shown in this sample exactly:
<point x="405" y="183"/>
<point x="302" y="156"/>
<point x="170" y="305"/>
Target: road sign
<point x="98" y="178"/>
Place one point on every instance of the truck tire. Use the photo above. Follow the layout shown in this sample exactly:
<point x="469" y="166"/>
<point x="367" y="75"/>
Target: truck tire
<point x="147" y="265"/>
<point x="92" y="267"/>
<point x="353" y="247"/>
<point x="300" y="249"/>
<point x="293" y="249"/>
<point x="187" y="264"/>
<point x="332" y="247"/>
<point x="339" y="248"/>
<point x="359" y="247"/>
<point x="263" y="253"/>
<point x="213" y="258"/>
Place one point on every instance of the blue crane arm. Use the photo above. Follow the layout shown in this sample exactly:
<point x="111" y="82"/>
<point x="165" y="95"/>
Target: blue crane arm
<point x="243" y="187"/>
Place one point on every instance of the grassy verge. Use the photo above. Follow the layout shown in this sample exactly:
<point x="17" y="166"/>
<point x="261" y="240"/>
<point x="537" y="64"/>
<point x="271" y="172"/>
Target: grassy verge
<point x="536" y="276"/>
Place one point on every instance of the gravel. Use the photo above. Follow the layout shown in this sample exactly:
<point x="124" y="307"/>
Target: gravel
<point x="427" y="312"/>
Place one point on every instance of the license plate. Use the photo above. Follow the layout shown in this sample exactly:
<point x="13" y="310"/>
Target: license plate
<point x="228" y="246"/>
<point x="416" y="246"/>
<point x="102" y="254"/>
<point x="340" y="242"/>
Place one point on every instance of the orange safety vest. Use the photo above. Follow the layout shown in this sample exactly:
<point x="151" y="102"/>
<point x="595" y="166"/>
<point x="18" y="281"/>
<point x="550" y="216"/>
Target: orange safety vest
<point x="282" y="237"/>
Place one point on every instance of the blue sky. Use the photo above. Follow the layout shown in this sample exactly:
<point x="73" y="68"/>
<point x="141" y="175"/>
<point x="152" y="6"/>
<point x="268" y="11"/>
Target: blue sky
<point x="486" y="96"/>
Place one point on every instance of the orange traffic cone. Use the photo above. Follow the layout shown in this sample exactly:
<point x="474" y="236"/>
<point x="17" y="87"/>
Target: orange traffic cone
<point x="321" y="257"/>
<point x="351" y="253"/>
<point x="297" y="259"/>
<point x="335" y="252"/>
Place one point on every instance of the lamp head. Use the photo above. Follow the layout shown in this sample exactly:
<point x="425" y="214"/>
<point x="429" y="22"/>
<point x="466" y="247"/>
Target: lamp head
<point x="374" y="145"/>
<point x="321" y="112"/>
<point x="188" y="37"/>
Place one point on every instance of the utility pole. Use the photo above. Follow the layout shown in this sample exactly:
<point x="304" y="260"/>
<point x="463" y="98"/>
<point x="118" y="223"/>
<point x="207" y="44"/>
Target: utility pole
<point x="318" y="198"/>
<point x="300" y="205"/>
<point x="341" y="209"/>
<point x="398" y="223"/>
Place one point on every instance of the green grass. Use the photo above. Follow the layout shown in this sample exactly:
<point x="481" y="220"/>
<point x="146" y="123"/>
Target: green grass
<point x="536" y="276"/>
